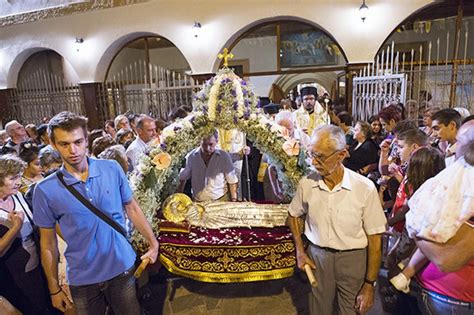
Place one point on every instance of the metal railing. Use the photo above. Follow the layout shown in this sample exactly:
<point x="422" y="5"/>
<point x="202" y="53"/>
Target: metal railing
<point x="42" y="95"/>
<point x="418" y="85"/>
<point x="149" y="89"/>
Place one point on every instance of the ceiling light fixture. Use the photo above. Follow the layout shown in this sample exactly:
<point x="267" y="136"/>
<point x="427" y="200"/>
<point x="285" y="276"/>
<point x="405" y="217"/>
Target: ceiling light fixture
<point x="78" y="42"/>
<point x="196" y="29"/>
<point x="363" y="11"/>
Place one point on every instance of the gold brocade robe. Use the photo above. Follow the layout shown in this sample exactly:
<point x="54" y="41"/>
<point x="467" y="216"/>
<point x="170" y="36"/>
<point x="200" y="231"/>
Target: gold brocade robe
<point x="308" y="122"/>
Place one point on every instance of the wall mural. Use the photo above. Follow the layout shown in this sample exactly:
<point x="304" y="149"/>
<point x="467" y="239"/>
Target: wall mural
<point x="307" y="49"/>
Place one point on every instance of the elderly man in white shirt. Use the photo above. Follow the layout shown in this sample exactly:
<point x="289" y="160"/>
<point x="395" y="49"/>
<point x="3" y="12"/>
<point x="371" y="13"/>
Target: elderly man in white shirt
<point x="211" y="171"/>
<point x="343" y="221"/>
<point x="17" y="134"/>
<point x="146" y="129"/>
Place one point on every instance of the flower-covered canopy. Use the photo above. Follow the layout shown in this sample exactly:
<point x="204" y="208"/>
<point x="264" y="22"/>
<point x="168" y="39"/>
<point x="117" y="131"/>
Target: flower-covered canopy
<point x="225" y="102"/>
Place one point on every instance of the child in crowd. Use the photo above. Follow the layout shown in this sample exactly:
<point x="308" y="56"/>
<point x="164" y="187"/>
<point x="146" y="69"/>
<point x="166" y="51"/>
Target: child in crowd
<point x="408" y="141"/>
<point x="3" y="137"/>
<point x="125" y="137"/>
<point x="390" y="166"/>
<point x="451" y="204"/>
<point x="29" y="153"/>
<point x="424" y="164"/>
<point x="50" y="162"/>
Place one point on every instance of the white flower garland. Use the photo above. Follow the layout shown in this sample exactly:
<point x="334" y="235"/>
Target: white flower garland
<point x="239" y="97"/>
<point x="224" y="102"/>
<point x="213" y="100"/>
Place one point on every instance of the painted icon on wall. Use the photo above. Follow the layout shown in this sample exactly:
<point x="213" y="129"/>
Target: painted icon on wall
<point x="312" y="48"/>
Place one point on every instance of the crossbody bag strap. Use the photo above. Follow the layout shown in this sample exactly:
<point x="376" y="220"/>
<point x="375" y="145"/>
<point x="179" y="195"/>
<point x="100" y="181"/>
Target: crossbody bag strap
<point x="91" y="207"/>
<point x="24" y="210"/>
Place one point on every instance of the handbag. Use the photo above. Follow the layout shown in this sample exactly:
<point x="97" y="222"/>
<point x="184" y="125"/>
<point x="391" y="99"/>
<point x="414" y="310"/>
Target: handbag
<point x="114" y="225"/>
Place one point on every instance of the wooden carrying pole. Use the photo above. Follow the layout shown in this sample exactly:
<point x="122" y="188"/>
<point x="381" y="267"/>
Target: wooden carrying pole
<point x="141" y="267"/>
<point x="311" y="277"/>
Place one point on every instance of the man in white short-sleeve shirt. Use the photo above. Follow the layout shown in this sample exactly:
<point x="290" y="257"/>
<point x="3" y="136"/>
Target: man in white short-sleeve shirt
<point x="343" y="221"/>
<point x="211" y="172"/>
<point x="146" y="129"/>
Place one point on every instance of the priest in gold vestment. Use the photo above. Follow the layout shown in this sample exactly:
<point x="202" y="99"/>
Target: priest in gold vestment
<point x="311" y="114"/>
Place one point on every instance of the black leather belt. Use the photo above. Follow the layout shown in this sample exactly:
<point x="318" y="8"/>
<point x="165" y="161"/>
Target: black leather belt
<point x="332" y="250"/>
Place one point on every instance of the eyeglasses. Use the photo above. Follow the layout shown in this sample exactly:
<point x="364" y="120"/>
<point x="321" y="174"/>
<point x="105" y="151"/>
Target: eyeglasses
<point x="320" y="158"/>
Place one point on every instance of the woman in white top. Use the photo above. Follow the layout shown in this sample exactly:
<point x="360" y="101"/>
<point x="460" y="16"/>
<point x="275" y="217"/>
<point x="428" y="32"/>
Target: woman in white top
<point x="22" y="280"/>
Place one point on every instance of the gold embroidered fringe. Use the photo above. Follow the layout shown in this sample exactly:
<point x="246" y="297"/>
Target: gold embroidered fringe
<point x="227" y="277"/>
<point x="225" y="264"/>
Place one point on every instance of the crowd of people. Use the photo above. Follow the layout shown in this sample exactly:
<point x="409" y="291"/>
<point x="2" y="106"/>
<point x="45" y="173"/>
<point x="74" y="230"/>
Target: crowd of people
<point x="348" y="216"/>
<point x="341" y="215"/>
<point x="55" y="188"/>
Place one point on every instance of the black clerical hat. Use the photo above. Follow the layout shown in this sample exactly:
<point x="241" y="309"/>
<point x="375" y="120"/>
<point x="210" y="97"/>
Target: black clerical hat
<point x="264" y="100"/>
<point x="309" y="90"/>
<point x="271" y="109"/>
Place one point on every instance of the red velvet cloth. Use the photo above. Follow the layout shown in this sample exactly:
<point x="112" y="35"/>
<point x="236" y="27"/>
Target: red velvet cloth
<point x="230" y="254"/>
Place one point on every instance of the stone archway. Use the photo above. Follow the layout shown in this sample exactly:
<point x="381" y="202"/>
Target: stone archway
<point x="146" y="74"/>
<point x="19" y="62"/>
<point x="110" y="53"/>
<point x="270" y="51"/>
<point x="240" y="34"/>
<point x="46" y="83"/>
<point x="289" y="81"/>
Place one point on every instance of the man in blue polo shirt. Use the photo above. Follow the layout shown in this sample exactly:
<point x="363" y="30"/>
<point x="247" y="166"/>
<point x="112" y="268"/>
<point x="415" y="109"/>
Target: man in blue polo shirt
<point x="99" y="259"/>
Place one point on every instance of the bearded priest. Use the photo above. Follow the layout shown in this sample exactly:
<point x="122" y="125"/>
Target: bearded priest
<point x="311" y="114"/>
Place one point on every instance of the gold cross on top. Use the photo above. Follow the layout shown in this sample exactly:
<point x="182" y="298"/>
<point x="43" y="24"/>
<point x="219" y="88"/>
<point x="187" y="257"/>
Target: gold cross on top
<point x="226" y="56"/>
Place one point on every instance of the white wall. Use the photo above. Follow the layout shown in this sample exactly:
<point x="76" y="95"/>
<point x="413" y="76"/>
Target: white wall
<point x="261" y="55"/>
<point x="260" y="52"/>
<point x="222" y="22"/>
<point x="124" y="59"/>
<point x="69" y="73"/>
<point x="170" y="58"/>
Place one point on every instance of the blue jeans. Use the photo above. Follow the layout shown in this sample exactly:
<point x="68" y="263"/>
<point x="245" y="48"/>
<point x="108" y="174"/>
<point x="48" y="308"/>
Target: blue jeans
<point x="119" y="293"/>
<point x="432" y="303"/>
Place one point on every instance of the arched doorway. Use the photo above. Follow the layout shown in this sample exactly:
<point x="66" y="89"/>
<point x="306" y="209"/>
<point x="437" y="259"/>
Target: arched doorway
<point x="149" y="74"/>
<point x="286" y="50"/>
<point x="290" y="84"/>
<point x="46" y="85"/>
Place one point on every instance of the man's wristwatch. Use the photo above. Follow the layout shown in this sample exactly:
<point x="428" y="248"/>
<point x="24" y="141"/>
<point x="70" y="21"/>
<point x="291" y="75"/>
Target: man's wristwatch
<point x="372" y="283"/>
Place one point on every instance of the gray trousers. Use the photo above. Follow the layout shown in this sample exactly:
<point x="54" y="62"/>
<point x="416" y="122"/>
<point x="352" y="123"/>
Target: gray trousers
<point x="340" y="276"/>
